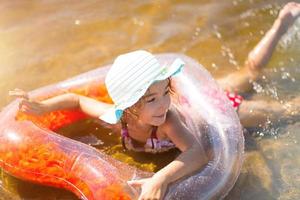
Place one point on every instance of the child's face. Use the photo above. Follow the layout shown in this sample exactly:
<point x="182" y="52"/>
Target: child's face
<point x="156" y="103"/>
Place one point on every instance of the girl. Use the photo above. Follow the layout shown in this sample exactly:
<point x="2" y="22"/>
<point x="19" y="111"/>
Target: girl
<point x="142" y="110"/>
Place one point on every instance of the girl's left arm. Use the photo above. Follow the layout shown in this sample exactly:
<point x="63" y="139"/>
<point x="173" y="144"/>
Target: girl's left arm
<point x="192" y="158"/>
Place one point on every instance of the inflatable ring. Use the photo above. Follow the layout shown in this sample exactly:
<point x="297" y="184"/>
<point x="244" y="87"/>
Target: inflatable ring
<point x="31" y="150"/>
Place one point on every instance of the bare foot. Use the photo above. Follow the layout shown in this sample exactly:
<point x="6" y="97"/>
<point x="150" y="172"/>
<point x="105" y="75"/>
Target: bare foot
<point x="289" y="13"/>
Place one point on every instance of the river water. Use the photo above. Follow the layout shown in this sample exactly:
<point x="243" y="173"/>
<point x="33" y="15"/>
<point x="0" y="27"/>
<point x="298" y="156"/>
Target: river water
<point x="43" y="42"/>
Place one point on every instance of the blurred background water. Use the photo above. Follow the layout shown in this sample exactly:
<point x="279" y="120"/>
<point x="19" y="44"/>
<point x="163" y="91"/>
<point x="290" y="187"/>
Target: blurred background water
<point x="46" y="41"/>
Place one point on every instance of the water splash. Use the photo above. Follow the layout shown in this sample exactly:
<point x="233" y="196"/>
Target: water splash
<point x="292" y="35"/>
<point x="257" y="87"/>
<point x="226" y="52"/>
<point x="77" y="22"/>
<point x="215" y="66"/>
<point x="268" y="89"/>
<point x="268" y="129"/>
<point x="277" y="85"/>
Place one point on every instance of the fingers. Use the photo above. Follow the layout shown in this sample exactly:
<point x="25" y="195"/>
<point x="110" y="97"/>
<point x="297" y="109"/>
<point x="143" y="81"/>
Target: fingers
<point x="31" y="111"/>
<point x="19" y="93"/>
<point x="30" y="107"/>
<point x="136" y="183"/>
<point x="157" y="196"/>
<point x="26" y="105"/>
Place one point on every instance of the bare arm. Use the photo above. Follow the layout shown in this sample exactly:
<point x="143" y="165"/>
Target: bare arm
<point x="88" y="105"/>
<point x="187" y="162"/>
<point x="240" y="81"/>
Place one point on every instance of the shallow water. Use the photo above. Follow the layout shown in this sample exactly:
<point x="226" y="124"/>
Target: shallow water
<point x="48" y="41"/>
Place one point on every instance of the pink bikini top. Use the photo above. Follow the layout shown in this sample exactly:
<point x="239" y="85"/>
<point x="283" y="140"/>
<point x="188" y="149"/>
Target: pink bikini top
<point x="153" y="144"/>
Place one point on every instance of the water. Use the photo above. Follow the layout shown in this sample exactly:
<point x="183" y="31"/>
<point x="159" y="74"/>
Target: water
<point x="48" y="41"/>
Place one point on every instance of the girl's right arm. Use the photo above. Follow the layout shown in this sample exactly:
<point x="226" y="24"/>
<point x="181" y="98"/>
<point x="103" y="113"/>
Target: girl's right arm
<point x="88" y="105"/>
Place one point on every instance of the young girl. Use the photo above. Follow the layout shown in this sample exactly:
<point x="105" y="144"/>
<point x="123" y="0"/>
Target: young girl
<point x="143" y="113"/>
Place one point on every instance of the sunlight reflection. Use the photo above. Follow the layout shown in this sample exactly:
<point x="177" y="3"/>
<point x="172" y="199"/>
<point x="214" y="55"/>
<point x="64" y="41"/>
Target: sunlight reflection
<point x="12" y="136"/>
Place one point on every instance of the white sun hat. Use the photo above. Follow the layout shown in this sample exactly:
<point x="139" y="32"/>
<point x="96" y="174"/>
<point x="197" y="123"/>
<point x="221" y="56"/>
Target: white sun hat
<point x="130" y="76"/>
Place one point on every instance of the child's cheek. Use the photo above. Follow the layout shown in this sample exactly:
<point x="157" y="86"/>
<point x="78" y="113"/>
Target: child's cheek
<point x="148" y="110"/>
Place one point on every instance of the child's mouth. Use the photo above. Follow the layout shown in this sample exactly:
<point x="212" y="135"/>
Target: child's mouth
<point x="160" y="116"/>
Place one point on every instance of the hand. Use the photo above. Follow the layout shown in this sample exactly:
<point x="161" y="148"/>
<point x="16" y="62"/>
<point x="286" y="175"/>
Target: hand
<point x="153" y="188"/>
<point x="26" y="105"/>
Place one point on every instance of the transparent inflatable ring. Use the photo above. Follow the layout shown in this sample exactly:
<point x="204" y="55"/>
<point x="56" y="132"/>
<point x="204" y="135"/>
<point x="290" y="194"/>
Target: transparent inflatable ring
<point x="31" y="150"/>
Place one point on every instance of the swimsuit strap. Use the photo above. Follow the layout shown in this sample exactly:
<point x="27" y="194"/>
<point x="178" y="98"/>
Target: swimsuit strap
<point x="153" y="136"/>
<point x="153" y="133"/>
<point x="124" y="134"/>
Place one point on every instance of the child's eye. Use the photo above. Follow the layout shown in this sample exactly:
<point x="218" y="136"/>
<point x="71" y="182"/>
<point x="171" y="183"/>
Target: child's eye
<point x="150" y="100"/>
<point x="153" y="99"/>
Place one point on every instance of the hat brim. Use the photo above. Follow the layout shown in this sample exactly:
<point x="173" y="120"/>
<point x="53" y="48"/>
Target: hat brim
<point x="113" y="115"/>
<point x="172" y="70"/>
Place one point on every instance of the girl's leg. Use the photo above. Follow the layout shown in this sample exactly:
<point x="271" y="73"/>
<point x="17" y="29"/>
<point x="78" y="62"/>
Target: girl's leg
<point x="241" y="81"/>
<point x="259" y="112"/>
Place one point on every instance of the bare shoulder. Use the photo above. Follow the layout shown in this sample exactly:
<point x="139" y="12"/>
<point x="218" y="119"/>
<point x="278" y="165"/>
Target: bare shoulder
<point x="172" y="119"/>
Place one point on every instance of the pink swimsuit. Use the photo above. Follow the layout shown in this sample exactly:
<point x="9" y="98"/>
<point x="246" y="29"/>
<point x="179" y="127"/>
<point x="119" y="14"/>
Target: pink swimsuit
<point x="153" y="144"/>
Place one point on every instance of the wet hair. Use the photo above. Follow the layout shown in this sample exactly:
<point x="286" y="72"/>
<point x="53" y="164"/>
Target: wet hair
<point x="132" y="111"/>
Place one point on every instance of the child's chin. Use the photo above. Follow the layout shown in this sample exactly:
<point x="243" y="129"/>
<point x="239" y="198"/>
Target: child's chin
<point x="158" y="122"/>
